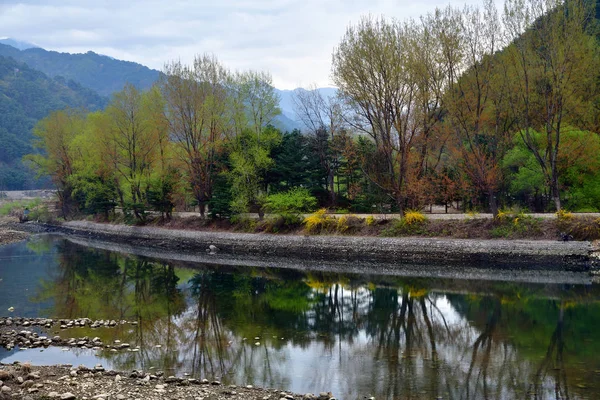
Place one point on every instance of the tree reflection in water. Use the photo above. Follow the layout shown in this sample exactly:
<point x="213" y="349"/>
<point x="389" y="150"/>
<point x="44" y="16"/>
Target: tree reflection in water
<point x="396" y="338"/>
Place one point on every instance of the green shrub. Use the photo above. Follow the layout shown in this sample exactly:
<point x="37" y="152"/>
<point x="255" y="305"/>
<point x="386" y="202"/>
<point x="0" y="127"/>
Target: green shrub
<point x="41" y="214"/>
<point x="242" y="223"/>
<point x="515" y="226"/>
<point x="401" y="227"/>
<point x="279" y="223"/>
<point x="293" y="202"/>
<point x="16" y="207"/>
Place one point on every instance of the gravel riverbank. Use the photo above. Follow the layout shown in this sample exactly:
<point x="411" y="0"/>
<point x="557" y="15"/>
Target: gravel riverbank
<point x="498" y="254"/>
<point x="24" y="381"/>
<point x="8" y="234"/>
<point x="65" y="382"/>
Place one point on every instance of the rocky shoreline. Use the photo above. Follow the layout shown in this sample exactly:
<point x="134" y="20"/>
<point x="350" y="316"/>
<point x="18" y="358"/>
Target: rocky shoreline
<point x="8" y="234"/>
<point x="468" y="253"/>
<point x="65" y="382"/>
<point x="24" y="381"/>
<point x="16" y="332"/>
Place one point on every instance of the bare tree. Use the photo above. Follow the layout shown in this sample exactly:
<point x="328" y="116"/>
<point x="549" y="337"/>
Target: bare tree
<point x="197" y="110"/>
<point x="323" y="118"/>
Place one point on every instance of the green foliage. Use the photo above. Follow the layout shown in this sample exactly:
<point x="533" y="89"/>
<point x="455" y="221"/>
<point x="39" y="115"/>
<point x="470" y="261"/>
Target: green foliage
<point x="401" y="227"/>
<point x="219" y="205"/>
<point x="292" y="163"/>
<point x="93" y="194"/>
<point x="279" y="223"/>
<point x="26" y="96"/>
<point x="41" y="214"/>
<point x="244" y="223"/>
<point x="511" y="226"/>
<point x="579" y="169"/>
<point x="250" y="159"/>
<point x="160" y="192"/>
<point x="293" y="202"/>
<point x="18" y="206"/>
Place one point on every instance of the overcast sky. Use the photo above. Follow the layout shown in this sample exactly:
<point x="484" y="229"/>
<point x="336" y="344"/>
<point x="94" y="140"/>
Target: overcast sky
<point x="293" y="39"/>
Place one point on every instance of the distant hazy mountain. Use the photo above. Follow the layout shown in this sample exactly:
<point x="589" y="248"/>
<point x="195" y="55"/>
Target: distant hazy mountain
<point x="26" y="96"/>
<point x="103" y="74"/>
<point x="17" y="44"/>
<point x="288" y="108"/>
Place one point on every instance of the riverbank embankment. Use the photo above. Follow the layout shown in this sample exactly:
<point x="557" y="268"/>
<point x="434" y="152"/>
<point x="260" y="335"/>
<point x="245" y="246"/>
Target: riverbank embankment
<point x="502" y="254"/>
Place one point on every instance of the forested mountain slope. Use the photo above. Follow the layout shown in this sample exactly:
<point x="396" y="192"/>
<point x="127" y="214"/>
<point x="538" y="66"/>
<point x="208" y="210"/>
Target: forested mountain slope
<point x="103" y="74"/>
<point x="26" y="96"/>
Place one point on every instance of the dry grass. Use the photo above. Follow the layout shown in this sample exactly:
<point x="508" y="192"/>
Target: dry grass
<point x="510" y="226"/>
<point x="580" y="228"/>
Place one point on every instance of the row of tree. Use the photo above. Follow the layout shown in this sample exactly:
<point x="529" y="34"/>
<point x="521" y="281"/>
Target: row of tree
<point x="461" y="105"/>
<point x="448" y="95"/>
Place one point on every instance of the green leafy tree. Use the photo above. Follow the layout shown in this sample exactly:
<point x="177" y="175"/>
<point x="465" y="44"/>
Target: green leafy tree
<point x="250" y="159"/>
<point x="578" y="166"/>
<point x="553" y="62"/>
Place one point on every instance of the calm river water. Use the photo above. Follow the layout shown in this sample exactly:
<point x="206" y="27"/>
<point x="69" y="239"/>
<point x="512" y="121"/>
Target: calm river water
<point x="355" y="335"/>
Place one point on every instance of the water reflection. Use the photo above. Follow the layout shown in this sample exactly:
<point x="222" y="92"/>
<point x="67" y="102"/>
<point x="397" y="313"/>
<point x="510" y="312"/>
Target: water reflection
<point x="355" y="335"/>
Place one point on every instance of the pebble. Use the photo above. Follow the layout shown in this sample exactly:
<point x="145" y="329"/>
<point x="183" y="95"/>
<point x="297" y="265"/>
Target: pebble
<point x="67" y="396"/>
<point x="27" y="384"/>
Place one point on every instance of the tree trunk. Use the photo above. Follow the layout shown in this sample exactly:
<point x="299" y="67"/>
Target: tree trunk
<point x="400" y="204"/>
<point x="202" y="208"/>
<point x="330" y="184"/>
<point x="555" y="190"/>
<point x="493" y="203"/>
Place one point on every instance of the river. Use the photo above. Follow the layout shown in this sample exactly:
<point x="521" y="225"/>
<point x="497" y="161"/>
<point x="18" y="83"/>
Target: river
<point x="358" y="336"/>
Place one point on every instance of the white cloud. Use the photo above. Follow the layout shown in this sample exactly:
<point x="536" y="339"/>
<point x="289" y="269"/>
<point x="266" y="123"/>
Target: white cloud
<point x="293" y="39"/>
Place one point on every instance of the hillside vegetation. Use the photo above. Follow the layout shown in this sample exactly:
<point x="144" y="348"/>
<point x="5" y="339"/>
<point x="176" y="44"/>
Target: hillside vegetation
<point x="26" y="96"/>
<point x="102" y="74"/>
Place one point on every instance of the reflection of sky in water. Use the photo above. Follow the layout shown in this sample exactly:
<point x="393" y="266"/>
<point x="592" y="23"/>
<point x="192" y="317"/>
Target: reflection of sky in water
<point x="368" y="361"/>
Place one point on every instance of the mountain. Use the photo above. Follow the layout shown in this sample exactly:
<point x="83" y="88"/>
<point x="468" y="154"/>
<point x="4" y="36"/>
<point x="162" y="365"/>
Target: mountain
<point x="102" y="74"/>
<point x="17" y="44"/>
<point x="288" y="119"/>
<point x="26" y="96"/>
